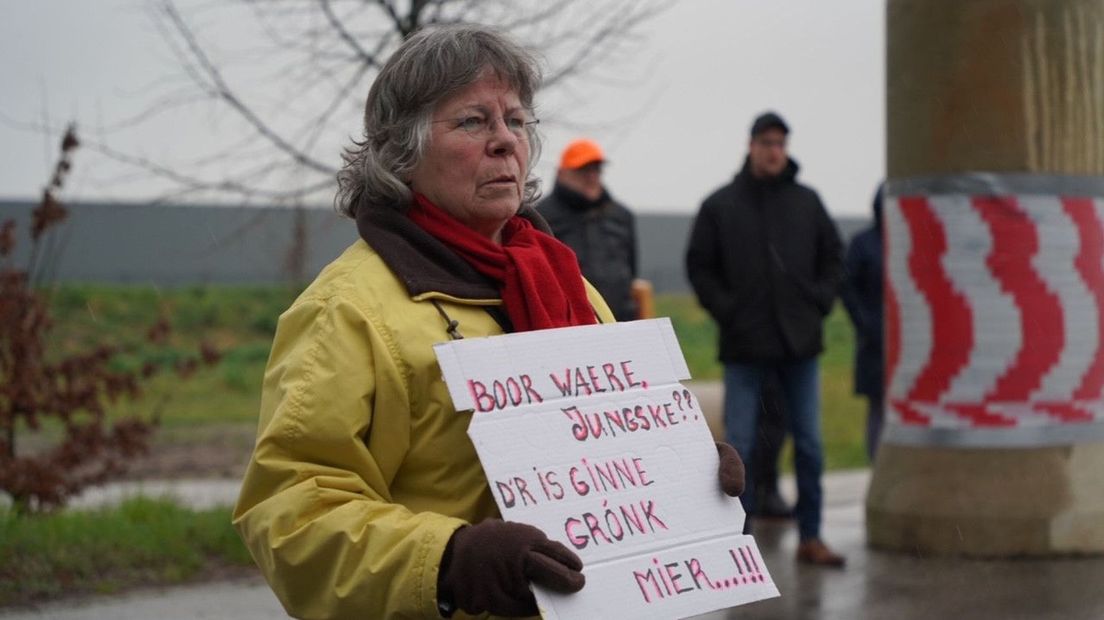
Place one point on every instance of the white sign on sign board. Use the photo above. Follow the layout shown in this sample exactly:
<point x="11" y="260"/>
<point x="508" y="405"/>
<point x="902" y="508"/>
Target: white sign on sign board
<point x="586" y="433"/>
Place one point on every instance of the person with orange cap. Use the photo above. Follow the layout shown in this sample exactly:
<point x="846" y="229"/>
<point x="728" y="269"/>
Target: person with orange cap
<point x="600" y="230"/>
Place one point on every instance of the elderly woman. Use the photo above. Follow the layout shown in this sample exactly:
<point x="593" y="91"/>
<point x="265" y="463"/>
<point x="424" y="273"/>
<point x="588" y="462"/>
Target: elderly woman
<point x="364" y="497"/>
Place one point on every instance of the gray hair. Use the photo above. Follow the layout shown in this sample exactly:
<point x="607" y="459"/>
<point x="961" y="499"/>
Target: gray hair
<point x="431" y="65"/>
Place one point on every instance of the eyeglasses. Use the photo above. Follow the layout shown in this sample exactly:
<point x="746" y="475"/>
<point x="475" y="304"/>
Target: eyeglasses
<point x="483" y="127"/>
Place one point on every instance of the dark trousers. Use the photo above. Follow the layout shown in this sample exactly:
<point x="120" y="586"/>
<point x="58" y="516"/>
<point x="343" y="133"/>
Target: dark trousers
<point x="800" y="386"/>
<point x="770" y="434"/>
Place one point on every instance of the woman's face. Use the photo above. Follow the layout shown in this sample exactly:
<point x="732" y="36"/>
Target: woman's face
<point x="475" y="166"/>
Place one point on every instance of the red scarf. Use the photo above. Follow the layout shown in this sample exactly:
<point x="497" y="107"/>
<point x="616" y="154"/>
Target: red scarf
<point x="538" y="276"/>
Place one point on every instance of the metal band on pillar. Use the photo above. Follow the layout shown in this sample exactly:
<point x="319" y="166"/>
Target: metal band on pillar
<point x="994" y="310"/>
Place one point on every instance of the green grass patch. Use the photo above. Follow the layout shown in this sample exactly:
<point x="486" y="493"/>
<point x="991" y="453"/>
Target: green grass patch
<point x="697" y="334"/>
<point x="843" y="414"/>
<point x="240" y="321"/>
<point x="139" y="542"/>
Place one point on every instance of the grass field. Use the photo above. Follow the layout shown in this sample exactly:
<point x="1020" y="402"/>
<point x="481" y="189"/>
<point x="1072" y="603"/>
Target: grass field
<point x="843" y="415"/>
<point x="240" y="321"/>
<point x="102" y="551"/>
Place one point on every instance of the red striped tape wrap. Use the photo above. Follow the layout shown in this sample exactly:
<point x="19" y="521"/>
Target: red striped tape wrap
<point x="994" y="314"/>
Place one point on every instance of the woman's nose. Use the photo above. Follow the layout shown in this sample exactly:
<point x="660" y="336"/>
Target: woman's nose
<point x="502" y="141"/>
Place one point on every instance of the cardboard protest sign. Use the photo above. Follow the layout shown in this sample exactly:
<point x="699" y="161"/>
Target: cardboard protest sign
<point x="586" y="433"/>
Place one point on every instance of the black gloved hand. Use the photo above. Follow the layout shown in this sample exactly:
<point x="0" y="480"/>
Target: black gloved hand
<point x="731" y="470"/>
<point x="488" y="567"/>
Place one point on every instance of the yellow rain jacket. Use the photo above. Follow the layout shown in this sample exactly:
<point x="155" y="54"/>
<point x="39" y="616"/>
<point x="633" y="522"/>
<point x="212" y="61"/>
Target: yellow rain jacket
<point x="362" y="468"/>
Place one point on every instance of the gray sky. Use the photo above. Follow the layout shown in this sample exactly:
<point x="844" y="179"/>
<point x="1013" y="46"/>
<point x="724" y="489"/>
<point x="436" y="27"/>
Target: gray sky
<point x="673" y="119"/>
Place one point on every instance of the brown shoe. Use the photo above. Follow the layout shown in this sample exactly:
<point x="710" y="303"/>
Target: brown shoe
<point x="814" y="551"/>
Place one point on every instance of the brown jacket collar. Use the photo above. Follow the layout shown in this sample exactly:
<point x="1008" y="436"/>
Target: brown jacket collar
<point x="421" y="262"/>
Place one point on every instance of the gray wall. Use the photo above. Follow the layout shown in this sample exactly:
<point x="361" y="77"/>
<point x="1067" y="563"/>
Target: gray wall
<point x="176" y="245"/>
<point x="170" y="245"/>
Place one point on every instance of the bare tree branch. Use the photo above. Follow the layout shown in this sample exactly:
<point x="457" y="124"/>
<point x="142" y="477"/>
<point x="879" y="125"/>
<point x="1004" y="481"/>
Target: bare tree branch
<point x="191" y="184"/>
<point x="280" y="99"/>
<point x="614" y="27"/>
<point x="226" y="94"/>
<point x="393" y="14"/>
<point x="553" y="9"/>
<point x="365" y="56"/>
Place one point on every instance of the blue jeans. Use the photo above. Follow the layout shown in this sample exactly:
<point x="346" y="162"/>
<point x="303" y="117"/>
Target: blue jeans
<point x="800" y="384"/>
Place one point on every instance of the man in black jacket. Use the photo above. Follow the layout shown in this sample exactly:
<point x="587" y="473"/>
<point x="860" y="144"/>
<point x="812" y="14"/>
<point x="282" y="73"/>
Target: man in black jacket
<point x="765" y="261"/>
<point x="862" y="296"/>
<point x="601" y="230"/>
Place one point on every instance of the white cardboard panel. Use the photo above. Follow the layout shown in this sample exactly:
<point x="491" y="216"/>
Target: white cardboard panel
<point x="588" y="358"/>
<point x="586" y="433"/>
<point x="670" y="583"/>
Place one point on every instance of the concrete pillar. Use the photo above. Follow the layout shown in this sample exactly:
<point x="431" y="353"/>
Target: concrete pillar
<point x="997" y="456"/>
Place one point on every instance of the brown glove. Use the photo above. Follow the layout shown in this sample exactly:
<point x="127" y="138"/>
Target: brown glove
<point x="731" y="471"/>
<point x="488" y="567"/>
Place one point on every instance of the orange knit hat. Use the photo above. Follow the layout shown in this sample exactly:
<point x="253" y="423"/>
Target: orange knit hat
<point x="580" y="153"/>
